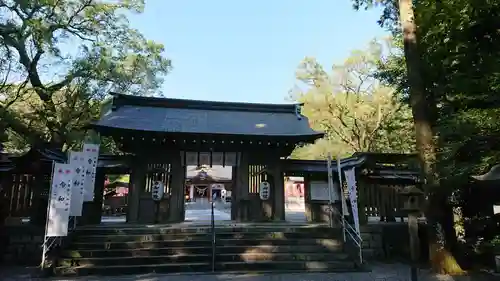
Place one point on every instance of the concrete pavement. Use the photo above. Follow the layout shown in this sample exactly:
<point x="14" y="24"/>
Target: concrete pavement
<point x="379" y="272"/>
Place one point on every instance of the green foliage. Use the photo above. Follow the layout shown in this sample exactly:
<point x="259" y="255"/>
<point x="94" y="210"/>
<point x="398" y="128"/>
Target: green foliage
<point x="390" y="15"/>
<point x="60" y="59"/>
<point x="460" y="52"/>
<point x="355" y="111"/>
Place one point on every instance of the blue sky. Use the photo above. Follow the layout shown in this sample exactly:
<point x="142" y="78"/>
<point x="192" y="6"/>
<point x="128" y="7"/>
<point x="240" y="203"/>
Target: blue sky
<point x="248" y="50"/>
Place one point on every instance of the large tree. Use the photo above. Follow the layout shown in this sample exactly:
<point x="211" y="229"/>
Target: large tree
<point x="423" y="107"/>
<point x="60" y="58"/>
<point x="458" y="58"/>
<point x="355" y="111"/>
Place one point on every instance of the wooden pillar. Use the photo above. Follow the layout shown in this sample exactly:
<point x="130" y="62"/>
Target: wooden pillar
<point x="6" y="181"/>
<point x="362" y="198"/>
<point x="176" y="201"/>
<point x="92" y="211"/>
<point x="307" y="198"/>
<point x="41" y="189"/>
<point x="239" y="195"/>
<point x="138" y="182"/>
<point x="278" y="191"/>
<point x="96" y="210"/>
<point x="234" y="194"/>
<point x="243" y="187"/>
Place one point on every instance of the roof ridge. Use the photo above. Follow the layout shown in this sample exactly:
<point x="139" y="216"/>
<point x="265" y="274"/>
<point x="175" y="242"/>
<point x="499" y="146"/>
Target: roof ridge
<point x="141" y="101"/>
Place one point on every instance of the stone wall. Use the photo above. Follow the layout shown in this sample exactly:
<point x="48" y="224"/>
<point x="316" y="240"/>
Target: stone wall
<point x="390" y="241"/>
<point x="24" y="245"/>
<point x="372" y="241"/>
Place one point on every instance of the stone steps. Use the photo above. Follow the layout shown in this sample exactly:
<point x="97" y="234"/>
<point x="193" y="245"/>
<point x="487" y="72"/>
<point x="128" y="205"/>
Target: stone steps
<point x="202" y="228"/>
<point x="230" y="267"/>
<point x="250" y="257"/>
<point x="220" y="234"/>
<point x="196" y="250"/>
<point x="130" y="270"/>
<point x="162" y="249"/>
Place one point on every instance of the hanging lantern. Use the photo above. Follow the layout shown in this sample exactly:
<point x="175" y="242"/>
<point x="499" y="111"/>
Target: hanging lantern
<point x="157" y="191"/>
<point x="264" y="191"/>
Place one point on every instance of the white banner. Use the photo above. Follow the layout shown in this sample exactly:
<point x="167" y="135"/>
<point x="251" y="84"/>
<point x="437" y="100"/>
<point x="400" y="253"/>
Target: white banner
<point x="60" y="200"/>
<point x="353" y="195"/>
<point x="77" y="161"/>
<point x="91" y="153"/>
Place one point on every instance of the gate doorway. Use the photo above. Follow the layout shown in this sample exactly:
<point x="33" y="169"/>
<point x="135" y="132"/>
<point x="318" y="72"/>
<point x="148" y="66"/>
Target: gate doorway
<point x="295" y="210"/>
<point x="115" y="198"/>
<point x="206" y="185"/>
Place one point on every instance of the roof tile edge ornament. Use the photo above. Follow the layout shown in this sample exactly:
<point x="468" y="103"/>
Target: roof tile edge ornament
<point x="114" y="104"/>
<point x="492" y="175"/>
<point x="298" y="111"/>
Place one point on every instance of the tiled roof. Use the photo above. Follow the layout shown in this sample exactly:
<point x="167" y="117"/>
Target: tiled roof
<point x="205" y="117"/>
<point x="5" y="163"/>
<point x="217" y="173"/>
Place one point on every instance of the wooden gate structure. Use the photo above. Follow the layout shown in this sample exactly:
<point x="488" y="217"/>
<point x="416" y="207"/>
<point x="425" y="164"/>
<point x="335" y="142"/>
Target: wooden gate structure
<point x="160" y="135"/>
<point x="26" y="184"/>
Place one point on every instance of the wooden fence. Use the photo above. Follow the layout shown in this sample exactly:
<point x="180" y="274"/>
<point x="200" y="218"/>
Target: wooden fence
<point x="381" y="201"/>
<point x="19" y="191"/>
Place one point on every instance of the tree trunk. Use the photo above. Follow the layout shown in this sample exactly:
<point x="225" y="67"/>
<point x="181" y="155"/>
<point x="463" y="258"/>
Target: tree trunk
<point x="441" y="259"/>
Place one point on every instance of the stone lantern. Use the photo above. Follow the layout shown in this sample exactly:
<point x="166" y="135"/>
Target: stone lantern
<point x="413" y="201"/>
<point x="413" y="198"/>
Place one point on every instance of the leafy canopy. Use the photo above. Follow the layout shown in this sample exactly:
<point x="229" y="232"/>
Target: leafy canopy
<point x="60" y="58"/>
<point x="460" y="51"/>
<point x="355" y="111"/>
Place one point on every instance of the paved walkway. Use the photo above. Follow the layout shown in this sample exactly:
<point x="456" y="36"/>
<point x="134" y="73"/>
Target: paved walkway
<point x="200" y="211"/>
<point x="380" y="272"/>
<point x="206" y="215"/>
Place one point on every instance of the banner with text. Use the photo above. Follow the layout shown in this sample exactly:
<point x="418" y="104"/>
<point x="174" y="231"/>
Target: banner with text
<point x="91" y="154"/>
<point x="60" y="200"/>
<point x="77" y="161"/>
<point x="350" y="175"/>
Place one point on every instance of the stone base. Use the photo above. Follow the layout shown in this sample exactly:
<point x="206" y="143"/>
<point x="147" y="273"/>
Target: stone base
<point x="23" y="245"/>
<point x="390" y="241"/>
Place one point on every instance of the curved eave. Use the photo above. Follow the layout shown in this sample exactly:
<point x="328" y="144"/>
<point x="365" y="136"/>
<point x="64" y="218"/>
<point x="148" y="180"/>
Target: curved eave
<point x="320" y="166"/>
<point x="114" y="131"/>
<point x="6" y="167"/>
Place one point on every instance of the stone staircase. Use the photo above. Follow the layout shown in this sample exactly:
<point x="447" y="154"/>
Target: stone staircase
<point x="188" y="249"/>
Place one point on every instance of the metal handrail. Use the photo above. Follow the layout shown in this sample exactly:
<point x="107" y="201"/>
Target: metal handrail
<point x="213" y="234"/>
<point x="346" y="227"/>
<point x="349" y="231"/>
<point x="356" y="238"/>
<point x="352" y="232"/>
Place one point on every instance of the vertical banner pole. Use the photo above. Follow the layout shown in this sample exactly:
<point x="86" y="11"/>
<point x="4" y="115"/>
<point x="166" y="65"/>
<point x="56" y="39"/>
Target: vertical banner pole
<point x="330" y="187"/>
<point x="342" y="196"/>
<point x="213" y="230"/>
<point x="44" y="248"/>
